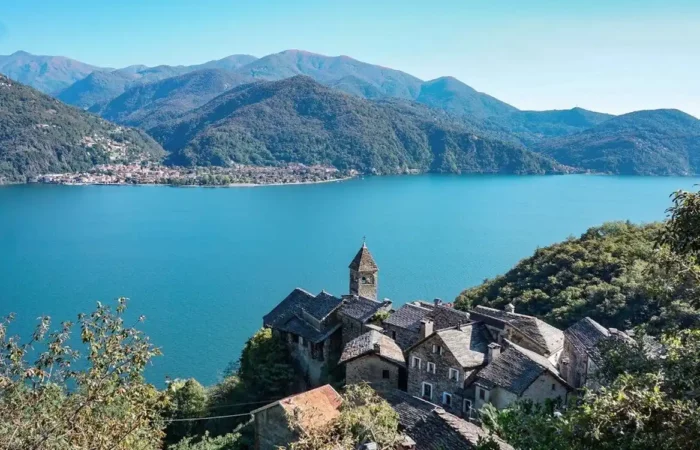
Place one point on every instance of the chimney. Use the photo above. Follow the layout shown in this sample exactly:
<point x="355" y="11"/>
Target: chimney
<point x="426" y="328"/>
<point x="377" y="347"/>
<point x="437" y="302"/>
<point x="510" y="308"/>
<point x="494" y="352"/>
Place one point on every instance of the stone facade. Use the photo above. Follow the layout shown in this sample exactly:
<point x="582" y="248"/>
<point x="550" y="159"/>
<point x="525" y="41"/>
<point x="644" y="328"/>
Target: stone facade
<point x="379" y="372"/>
<point x="313" y="359"/>
<point x="352" y="328"/>
<point x="545" y="387"/>
<point x="428" y="351"/>
<point x="404" y="337"/>
<point x="272" y="430"/>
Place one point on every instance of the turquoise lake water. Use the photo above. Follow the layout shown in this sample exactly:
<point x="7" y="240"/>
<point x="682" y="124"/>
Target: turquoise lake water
<point x="204" y="265"/>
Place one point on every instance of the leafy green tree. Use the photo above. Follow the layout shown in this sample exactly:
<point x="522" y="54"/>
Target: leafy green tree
<point x="188" y="399"/>
<point x="266" y="368"/>
<point x="95" y="401"/>
<point x="231" y="441"/>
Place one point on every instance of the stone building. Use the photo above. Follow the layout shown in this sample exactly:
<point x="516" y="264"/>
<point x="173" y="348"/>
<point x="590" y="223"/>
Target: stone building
<point x="312" y="330"/>
<point x="309" y="410"/>
<point x="404" y="324"/>
<point x="443" y="363"/>
<point x="580" y="358"/>
<point x="526" y="331"/>
<point x="515" y="373"/>
<point x="376" y="359"/>
<point x="364" y="274"/>
<point x="357" y="314"/>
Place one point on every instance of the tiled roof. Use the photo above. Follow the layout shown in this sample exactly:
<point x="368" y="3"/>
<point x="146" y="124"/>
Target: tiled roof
<point x="288" y="315"/>
<point x="468" y="344"/>
<point x="363" y="261"/>
<point x="515" y="369"/>
<point x="408" y="316"/>
<point x="373" y="342"/>
<point x="361" y="308"/>
<point x="314" y="408"/>
<point x="585" y="335"/>
<point x="545" y="336"/>
<point x="441" y="430"/>
<point x="410" y="409"/>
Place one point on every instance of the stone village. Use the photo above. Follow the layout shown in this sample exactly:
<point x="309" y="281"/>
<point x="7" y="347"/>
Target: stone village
<point x="435" y="365"/>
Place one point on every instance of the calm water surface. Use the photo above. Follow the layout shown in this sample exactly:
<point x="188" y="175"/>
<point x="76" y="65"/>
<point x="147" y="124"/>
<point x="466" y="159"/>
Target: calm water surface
<point x="204" y="265"/>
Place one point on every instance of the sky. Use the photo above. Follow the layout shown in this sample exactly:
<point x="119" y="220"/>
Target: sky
<point x="612" y="56"/>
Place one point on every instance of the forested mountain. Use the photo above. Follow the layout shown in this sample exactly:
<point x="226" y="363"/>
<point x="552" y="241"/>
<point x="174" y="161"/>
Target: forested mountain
<point x="299" y="120"/>
<point x="658" y="142"/>
<point x="49" y="74"/>
<point x="453" y="96"/>
<point x="39" y="134"/>
<point x="150" y="104"/>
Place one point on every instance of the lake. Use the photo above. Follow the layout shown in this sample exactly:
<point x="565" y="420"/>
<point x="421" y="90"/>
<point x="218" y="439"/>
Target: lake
<point x="204" y="265"/>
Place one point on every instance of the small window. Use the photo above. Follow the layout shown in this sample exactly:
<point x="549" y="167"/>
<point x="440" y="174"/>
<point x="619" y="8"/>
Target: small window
<point x="482" y="394"/>
<point x="301" y="340"/>
<point x="453" y="374"/>
<point x="446" y="399"/>
<point x="434" y="348"/>
<point x="554" y="387"/>
<point x="467" y="406"/>
<point x="393" y="335"/>
<point x="385" y="374"/>
<point x="415" y="362"/>
<point x="430" y="367"/>
<point x="295" y="338"/>
<point x="427" y="391"/>
<point x="440" y="351"/>
<point x="437" y="349"/>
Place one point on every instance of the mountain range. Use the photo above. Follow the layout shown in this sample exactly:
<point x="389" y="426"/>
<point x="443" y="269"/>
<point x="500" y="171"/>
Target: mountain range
<point x="224" y="105"/>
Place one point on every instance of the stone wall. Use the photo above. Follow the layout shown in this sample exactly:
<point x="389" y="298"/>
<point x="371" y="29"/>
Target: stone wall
<point x="352" y="328"/>
<point x="439" y="380"/>
<point x="403" y="337"/>
<point x="546" y="386"/>
<point x="271" y="429"/>
<point x="575" y="371"/>
<point x="313" y="359"/>
<point x="372" y="369"/>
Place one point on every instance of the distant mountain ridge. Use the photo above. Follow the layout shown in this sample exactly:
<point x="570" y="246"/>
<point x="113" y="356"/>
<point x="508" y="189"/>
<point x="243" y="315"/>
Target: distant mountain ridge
<point x="300" y="120"/>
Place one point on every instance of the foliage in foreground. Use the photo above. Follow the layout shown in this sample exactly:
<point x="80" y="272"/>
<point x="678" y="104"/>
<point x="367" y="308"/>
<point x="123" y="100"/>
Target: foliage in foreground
<point x="229" y="441"/>
<point x="95" y="401"/>
<point x="364" y="417"/>
<point x="651" y="404"/>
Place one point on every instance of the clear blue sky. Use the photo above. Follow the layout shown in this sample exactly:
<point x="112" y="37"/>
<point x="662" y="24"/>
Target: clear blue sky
<point x="607" y="55"/>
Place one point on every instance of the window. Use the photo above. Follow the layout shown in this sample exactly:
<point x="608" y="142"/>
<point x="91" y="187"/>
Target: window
<point x="415" y="362"/>
<point x="453" y="374"/>
<point x="430" y="367"/>
<point x="295" y="338"/>
<point x="427" y="391"/>
<point x="467" y="406"/>
<point x="446" y="399"/>
<point x="393" y="335"/>
<point x="554" y="387"/>
<point x="437" y="349"/>
<point x="385" y="374"/>
<point x="301" y="340"/>
<point x="482" y="394"/>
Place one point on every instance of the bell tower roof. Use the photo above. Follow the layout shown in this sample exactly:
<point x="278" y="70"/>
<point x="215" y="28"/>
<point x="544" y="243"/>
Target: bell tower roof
<point x="363" y="261"/>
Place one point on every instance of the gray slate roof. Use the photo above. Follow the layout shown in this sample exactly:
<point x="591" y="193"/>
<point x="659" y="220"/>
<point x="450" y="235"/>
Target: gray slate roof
<point x="288" y="315"/>
<point x="468" y="344"/>
<point x="363" y="261"/>
<point x="545" y="336"/>
<point x="442" y="430"/>
<point x="410" y="409"/>
<point x="408" y="316"/>
<point x="361" y="308"/>
<point x="585" y="335"/>
<point x="373" y="342"/>
<point x="515" y="369"/>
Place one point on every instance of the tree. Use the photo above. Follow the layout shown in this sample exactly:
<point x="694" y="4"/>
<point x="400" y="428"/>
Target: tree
<point x="97" y="401"/>
<point x="265" y="367"/>
<point x="229" y="441"/>
<point x="188" y="399"/>
<point x="364" y="417"/>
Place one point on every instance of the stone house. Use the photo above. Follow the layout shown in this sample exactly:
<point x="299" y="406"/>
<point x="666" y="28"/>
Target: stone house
<point x="375" y="359"/>
<point x="404" y="324"/>
<point x="277" y="424"/>
<point x="357" y="314"/>
<point x="526" y="331"/>
<point x="516" y="373"/>
<point x="431" y="427"/>
<point x="312" y="330"/>
<point x="580" y="358"/>
<point x="443" y="363"/>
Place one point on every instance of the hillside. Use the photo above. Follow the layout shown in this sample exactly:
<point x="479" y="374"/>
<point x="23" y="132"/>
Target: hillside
<point x="39" y="134"/>
<point x="49" y="74"/>
<point x="148" y="105"/>
<point x="299" y="120"/>
<point x="611" y="273"/>
<point x="455" y="97"/>
<point x="658" y="142"/>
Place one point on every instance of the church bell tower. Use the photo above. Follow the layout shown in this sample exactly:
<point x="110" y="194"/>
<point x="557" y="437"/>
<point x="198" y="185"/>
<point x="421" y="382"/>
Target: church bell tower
<point x="364" y="274"/>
